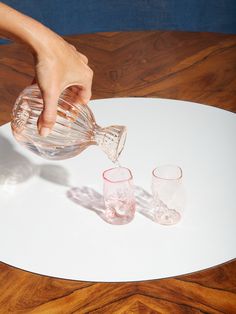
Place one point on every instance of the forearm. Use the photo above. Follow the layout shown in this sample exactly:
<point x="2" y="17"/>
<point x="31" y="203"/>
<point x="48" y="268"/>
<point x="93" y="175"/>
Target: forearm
<point x="17" y="26"/>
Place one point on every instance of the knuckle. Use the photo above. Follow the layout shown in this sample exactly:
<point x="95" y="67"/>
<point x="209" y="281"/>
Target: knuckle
<point x="48" y="118"/>
<point x="51" y="93"/>
<point x="85" y="59"/>
<point x="90" y="73"/>
<point x="73" y="47"/>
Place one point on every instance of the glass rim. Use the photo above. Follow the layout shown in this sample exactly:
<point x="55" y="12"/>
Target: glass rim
<point x="118" y="181"/>
<point x="167" y="179"/>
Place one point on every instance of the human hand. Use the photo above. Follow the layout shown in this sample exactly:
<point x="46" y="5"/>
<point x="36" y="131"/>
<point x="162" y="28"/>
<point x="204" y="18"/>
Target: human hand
<point x="58" y="64"/>
<point x="57" y="68"/>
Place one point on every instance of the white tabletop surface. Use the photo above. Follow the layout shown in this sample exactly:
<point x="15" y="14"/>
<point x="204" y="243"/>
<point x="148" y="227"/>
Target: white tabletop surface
<point x="49" y="210"/>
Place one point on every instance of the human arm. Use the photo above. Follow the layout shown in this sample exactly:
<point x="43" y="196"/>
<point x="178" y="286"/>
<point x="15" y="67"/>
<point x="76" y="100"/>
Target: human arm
<point x="57" y="63"/>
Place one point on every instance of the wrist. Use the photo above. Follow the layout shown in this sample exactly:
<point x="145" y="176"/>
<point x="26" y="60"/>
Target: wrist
<point x="17" y="26"/>
<point x="40" y="39"/>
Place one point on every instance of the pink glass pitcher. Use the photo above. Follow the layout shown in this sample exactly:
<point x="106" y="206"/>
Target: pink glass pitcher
<point x="75" y="128"/>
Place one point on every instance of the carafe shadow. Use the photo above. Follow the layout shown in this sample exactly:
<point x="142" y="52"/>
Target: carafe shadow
<point x="15" y="168"/>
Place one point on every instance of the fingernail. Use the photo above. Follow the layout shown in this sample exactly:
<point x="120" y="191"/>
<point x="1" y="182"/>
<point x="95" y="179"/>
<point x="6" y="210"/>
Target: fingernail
<point x="44" y="132"/>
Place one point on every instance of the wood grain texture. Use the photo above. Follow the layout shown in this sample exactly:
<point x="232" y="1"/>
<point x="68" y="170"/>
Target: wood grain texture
<point x="198" y="67"/>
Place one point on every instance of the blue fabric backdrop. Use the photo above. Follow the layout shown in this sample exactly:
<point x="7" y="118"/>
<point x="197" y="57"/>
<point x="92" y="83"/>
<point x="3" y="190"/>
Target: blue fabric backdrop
<point x="88" y="16"/>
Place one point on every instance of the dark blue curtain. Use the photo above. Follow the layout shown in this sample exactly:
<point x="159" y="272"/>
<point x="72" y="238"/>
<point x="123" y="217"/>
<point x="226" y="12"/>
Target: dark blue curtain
<point x="88" y="16"/>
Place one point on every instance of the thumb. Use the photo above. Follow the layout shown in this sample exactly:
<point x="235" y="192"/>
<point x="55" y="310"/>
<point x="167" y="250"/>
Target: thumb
<point x="48" y="116"/>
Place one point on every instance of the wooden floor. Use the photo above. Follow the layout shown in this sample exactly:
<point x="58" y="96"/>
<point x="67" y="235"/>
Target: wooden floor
<point x="199" y="67"/>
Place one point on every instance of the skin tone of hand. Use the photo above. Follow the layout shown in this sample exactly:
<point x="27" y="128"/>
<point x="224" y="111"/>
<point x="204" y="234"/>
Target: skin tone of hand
<point x="57" y="63"/>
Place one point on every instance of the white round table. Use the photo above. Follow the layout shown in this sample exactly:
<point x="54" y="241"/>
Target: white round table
<point x="49" y="210"/>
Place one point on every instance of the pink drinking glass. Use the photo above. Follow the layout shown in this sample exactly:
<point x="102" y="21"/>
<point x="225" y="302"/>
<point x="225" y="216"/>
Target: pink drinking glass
<point x="168" y="194"/>
<point x="118" y="193"/>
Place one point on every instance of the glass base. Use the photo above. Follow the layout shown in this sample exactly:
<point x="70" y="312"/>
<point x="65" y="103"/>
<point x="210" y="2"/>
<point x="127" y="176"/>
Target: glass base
<point x="119" y="214"/>
<point x="167" y="217"/>
<point x="116" y="220"/>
